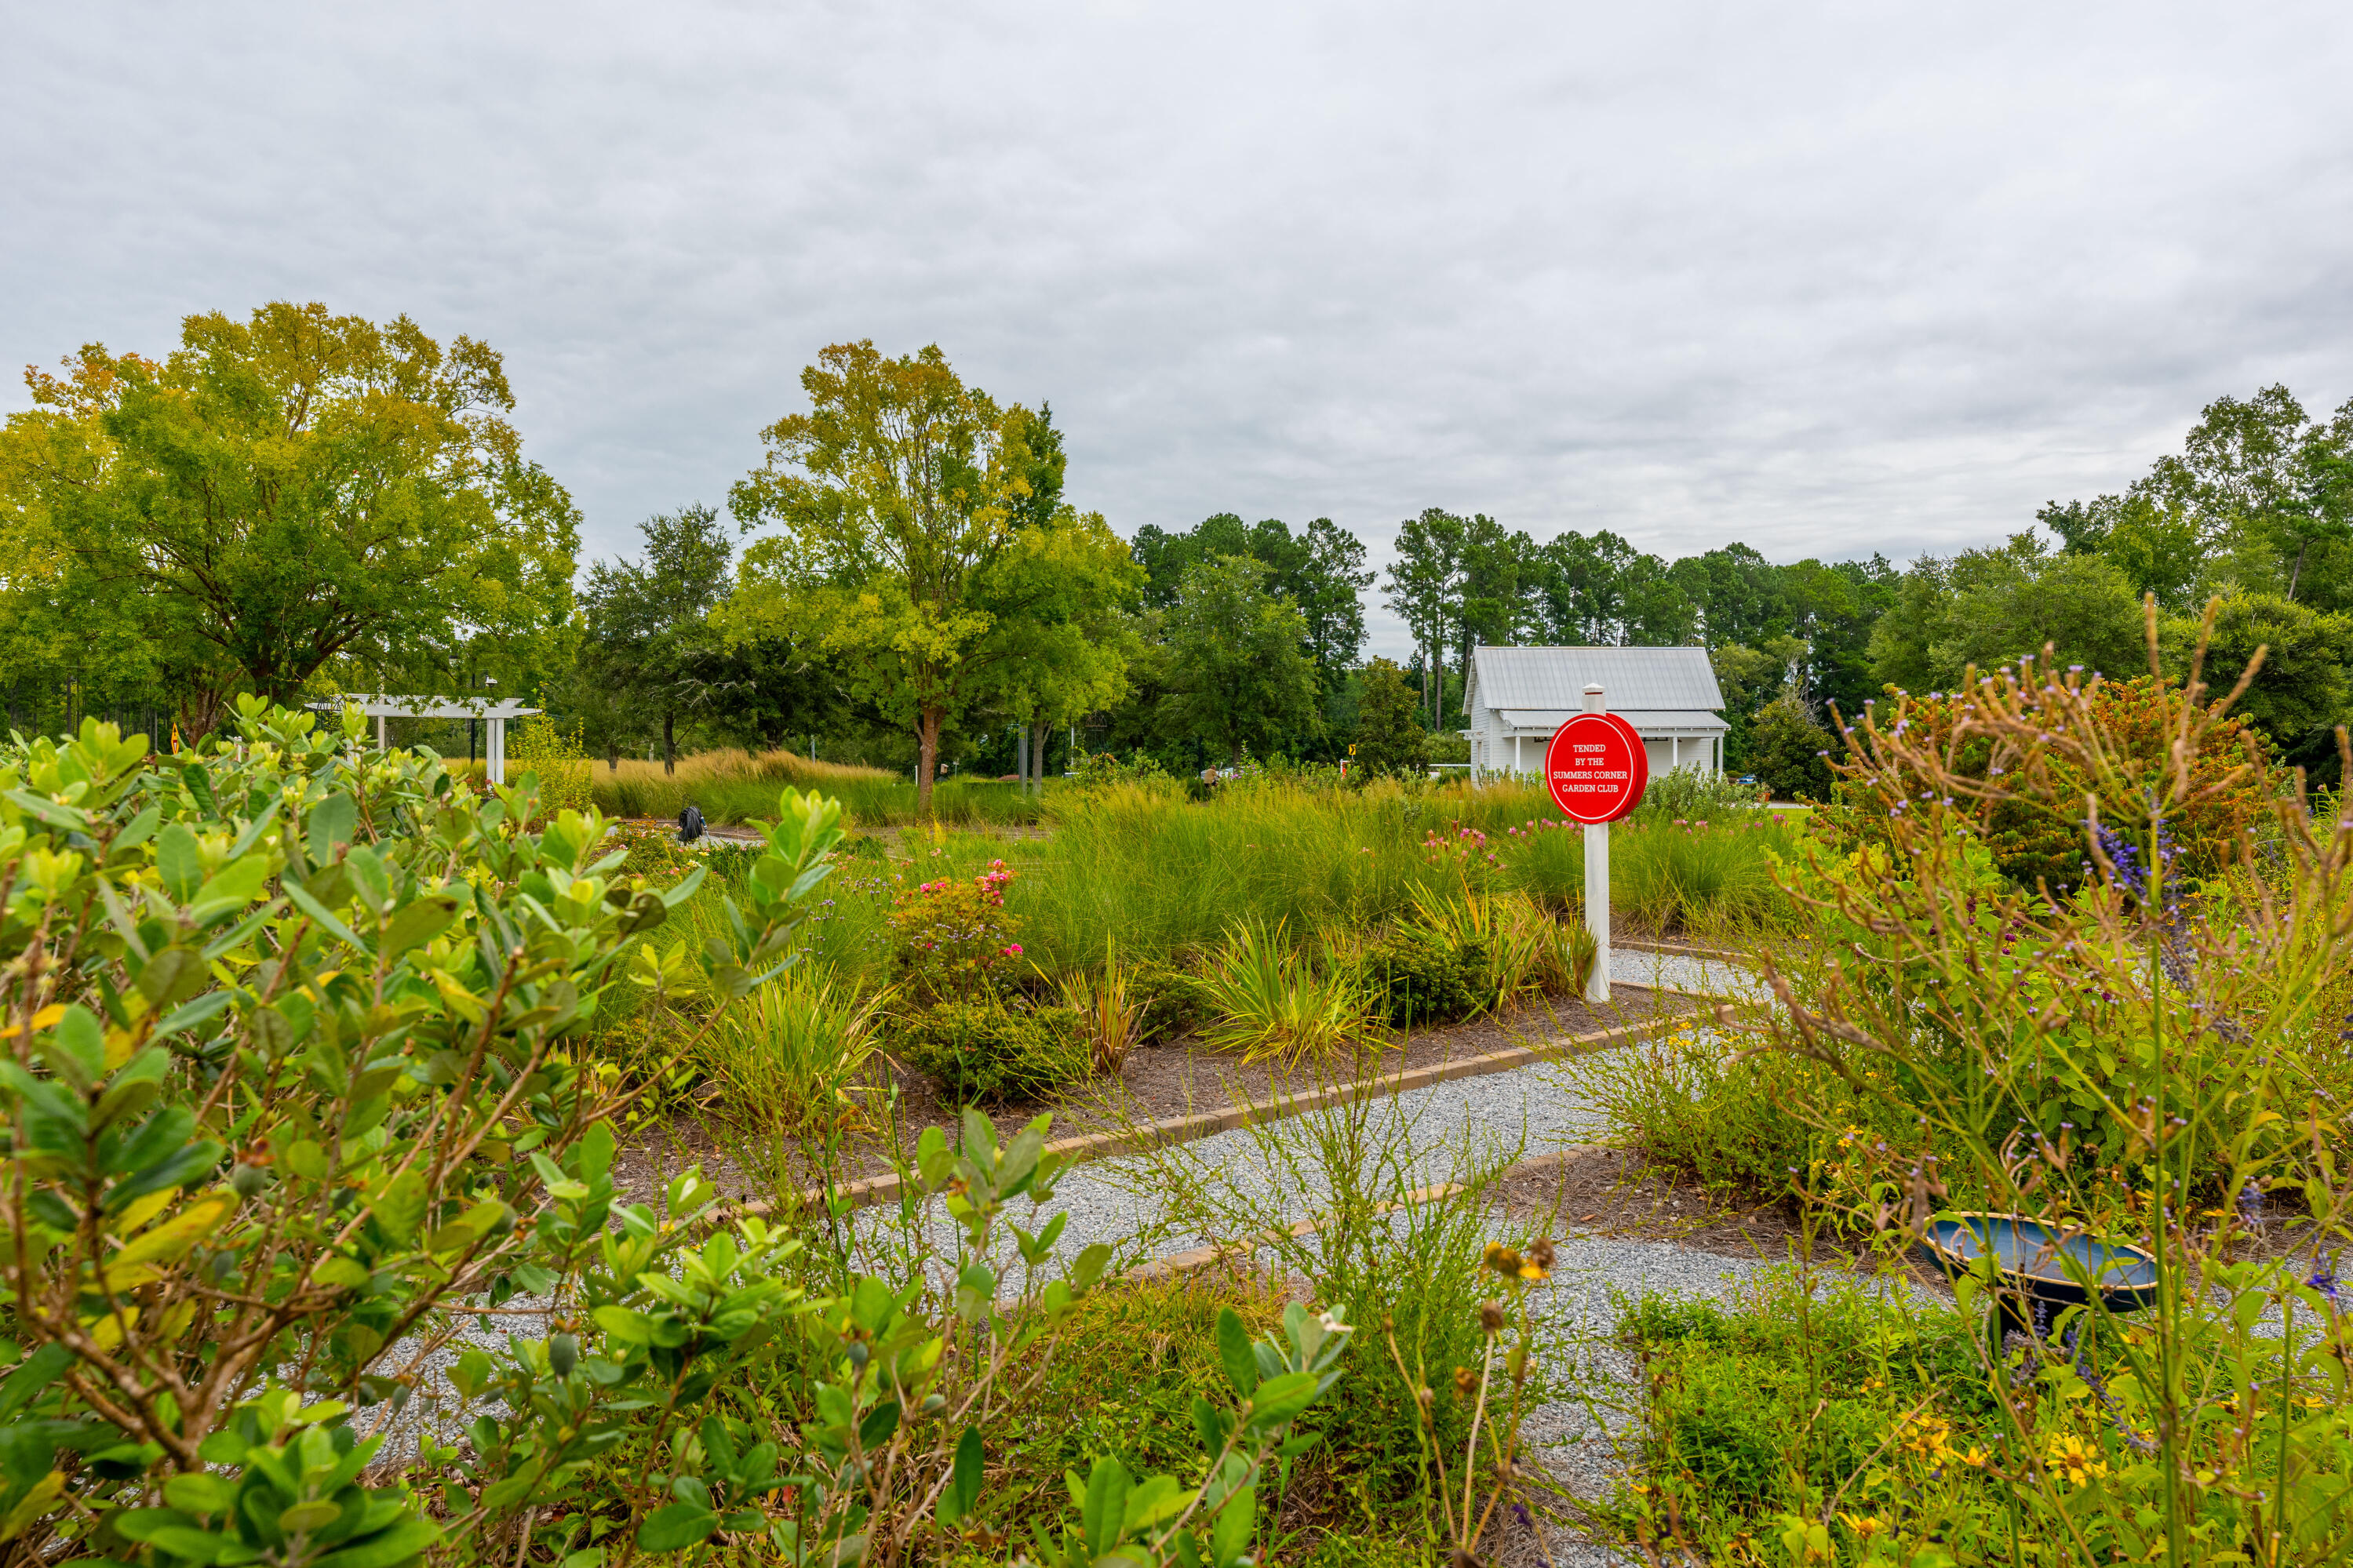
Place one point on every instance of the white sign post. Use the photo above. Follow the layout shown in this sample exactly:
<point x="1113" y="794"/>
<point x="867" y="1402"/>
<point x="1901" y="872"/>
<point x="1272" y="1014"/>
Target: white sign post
<point x="1597" y="884"/>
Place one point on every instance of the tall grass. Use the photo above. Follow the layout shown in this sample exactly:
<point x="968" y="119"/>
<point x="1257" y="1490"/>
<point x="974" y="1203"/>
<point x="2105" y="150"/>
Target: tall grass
<point x="734" y="787"/>
<point x="1166" y="876"/>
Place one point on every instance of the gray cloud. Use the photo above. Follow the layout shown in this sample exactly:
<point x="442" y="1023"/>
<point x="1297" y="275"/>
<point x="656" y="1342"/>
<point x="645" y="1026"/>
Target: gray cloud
<point x="1828" y="282"/>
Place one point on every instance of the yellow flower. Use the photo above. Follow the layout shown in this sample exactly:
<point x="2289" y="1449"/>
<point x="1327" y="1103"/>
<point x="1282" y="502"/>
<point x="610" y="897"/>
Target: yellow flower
<point x="2072" y="1458"/>
<point x="1864" y="1524"/>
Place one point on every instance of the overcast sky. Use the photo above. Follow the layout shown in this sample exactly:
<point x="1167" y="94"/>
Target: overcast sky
<point x="1824" y="279"/>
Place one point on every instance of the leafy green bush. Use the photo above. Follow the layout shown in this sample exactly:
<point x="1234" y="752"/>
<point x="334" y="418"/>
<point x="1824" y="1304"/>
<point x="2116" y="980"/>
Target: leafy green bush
<point x="1696" y="795"/>
<point x="985" y="1050"/>
<point x="1416" y="976"/>
<point x="1169" y="1003"/>
<point x="293" y="1078"/>
<point x="1790" y="751"/>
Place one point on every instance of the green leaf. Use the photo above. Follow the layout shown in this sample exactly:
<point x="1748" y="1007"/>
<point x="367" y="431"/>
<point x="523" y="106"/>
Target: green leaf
<point x="1106" y="1504"/>
<point x="178" y="1170"/>
<point x="1211" y="1423"/>
<point x="881" y="1421"/>
<point x="418" y="923"/>
<point x="963" y="1489"/>
<point x="975" y="1293"/>
<point x="368" y="879"/>
<point x="1234" y="1353"/>
<point x="403" y="1541"/>
<point x="233" y="887"/>
<point x="1279" y="1399"/>
<point x="203" y="1010"/>
<point x="331" y="821"/>
<point x="50" y="812"/>
<point x="1229" y="1537"/>
<point x="199" y="1492"/>
<point x="1090" y="1265"/>
<point x="326" y="921"/>
<point x="77" y="1050"/>
<point x="172" y="977"/>
<point x="675" y="1527"/>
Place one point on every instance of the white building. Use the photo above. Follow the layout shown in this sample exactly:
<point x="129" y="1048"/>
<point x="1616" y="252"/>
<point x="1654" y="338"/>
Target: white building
<point x="1518" y="696"/>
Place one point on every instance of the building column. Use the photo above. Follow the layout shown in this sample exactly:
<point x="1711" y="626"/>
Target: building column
<point x="380" y="744"/>
<point x="1674" y="752"/>
<point x="494" y="753"/>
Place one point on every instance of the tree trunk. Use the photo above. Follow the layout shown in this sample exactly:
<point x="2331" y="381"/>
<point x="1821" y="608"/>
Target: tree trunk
<point x="669" y="742"/>
<point x="927" y="757"/>
<point x="2292" y="577"/>
<point x="1037" y="753"/>
<point x="1236" y="764"/>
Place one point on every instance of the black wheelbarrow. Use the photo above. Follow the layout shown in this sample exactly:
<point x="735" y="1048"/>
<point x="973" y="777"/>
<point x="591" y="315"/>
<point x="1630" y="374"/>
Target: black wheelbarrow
<point x="2038" y="1268"/>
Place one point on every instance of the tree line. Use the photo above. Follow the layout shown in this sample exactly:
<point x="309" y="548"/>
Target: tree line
<point x="298" y="502"/>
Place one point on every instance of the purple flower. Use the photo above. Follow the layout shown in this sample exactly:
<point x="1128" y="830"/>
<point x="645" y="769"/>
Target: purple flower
<point x="2325" y="1282"/>
<point x="2251" y="1202"/>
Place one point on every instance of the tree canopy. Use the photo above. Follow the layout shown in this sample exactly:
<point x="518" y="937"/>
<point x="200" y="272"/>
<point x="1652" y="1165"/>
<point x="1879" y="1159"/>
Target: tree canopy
<point x="281" y="492"/>
<point x="918" y="527"/>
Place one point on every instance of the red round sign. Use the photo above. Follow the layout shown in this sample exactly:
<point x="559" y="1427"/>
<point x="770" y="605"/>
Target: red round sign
<point x="1597" y="768"/>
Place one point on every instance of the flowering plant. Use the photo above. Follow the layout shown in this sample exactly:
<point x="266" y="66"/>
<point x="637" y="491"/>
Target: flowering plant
<point x="953" y="938"/>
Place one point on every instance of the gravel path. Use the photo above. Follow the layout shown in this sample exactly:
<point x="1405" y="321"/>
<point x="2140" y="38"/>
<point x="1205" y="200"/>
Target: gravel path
<point x="1211" y="1191"/>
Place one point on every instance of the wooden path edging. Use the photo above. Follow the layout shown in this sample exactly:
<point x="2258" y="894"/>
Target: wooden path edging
<point x="885" y="1188"/>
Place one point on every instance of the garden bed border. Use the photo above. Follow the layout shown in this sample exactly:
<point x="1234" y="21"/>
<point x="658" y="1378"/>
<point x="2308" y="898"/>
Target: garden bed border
<point x="869" y="1191"/>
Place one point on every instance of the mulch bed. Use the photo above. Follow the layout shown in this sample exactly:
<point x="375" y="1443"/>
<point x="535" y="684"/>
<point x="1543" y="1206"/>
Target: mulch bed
<point x="1178" y="1078"/>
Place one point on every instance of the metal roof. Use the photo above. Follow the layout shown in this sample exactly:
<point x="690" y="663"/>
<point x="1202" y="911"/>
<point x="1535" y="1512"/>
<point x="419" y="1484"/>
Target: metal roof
<point x="1647" y="722"/>
<point x="1647" y="680"/>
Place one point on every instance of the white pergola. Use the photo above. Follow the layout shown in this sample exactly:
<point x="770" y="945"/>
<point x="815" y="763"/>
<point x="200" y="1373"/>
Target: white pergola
<point x="494" y="715"/>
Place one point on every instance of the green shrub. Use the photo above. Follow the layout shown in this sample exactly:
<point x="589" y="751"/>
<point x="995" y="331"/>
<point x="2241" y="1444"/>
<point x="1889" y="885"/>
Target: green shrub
<point x="240" y="1209"/>
<point x="952" y="938"/>
<point x="1168" y="1001"/>
<point x="1416" y="976"/>
<point x="1697" y="794"/>
<point x="984" y="1050"/>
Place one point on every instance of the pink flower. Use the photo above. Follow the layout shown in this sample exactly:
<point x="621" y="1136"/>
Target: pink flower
<point x="1014" y="950"/>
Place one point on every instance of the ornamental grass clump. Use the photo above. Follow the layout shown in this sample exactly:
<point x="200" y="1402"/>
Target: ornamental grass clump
<point x="2152" y="1057"/>
<point x="1265" y="1000"/>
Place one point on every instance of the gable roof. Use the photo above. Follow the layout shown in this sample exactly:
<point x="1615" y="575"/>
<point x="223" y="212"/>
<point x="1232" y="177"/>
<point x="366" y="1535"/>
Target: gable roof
<point x="1632" y="680"/>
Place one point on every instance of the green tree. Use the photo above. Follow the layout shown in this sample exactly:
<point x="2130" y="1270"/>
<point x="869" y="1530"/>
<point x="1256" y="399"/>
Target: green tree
<point x="1735" y="593"/>
<point x="1389" y="737"/>
<point x="1425" y="590"/>
<point x="2302" y="690"/>
<point x="650" y="649"/>
<point x="1236" y="675"/>
<point x="1320" y="570"/>
<point x="1063" y="641"/>
<point x="894" y="499"/>
<point x="2010" y="602"/>
<point x="1988" y="608"/>
<point x="1789" y="749"/>
<point x="293" y="489"/>
<point x="1328" y="588"/>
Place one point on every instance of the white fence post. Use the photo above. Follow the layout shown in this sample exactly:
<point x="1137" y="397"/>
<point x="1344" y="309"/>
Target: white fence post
<point x="1597" y="884"/>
